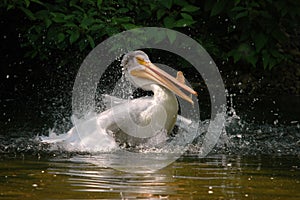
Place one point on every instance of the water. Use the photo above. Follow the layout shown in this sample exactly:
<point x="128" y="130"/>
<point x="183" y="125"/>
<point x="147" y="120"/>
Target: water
<point x="214" y="177"/>
<point x="257" y="157"/>
<point x="250" y="161"/>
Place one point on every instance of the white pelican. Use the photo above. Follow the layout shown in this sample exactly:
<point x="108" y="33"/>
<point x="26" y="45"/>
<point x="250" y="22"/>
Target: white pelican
<point x="129" y="120"/>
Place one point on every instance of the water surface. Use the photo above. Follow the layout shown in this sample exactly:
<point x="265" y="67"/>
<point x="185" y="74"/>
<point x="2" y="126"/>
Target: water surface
<point x="214" y="177"/>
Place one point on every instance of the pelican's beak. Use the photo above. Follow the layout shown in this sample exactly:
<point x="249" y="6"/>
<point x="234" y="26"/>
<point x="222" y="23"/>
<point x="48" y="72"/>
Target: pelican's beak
<point x="161" y="77"/>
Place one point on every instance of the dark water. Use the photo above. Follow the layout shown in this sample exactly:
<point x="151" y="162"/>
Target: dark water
<point x="213" y="177"/>
<point x="257" y="157"/>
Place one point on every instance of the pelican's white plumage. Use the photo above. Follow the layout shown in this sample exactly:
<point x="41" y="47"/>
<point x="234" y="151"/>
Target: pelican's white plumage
<point x="145" y="120"/>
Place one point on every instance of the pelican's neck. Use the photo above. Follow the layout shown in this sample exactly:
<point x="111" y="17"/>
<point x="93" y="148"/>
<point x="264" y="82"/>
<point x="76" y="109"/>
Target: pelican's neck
<point x="167" y="99"/>
<point x="162" y="95"/>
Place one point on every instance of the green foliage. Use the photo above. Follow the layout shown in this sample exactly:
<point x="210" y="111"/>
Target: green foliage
<point x="242" y="31"/>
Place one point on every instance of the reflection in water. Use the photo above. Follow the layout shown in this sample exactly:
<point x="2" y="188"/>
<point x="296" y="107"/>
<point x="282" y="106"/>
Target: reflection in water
<point x="214" y="177"/>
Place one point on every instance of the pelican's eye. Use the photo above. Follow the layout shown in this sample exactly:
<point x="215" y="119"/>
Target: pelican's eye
<point x="141" y="60"/>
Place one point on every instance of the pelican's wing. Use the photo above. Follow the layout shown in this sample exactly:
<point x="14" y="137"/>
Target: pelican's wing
<point x="122" y="111"/>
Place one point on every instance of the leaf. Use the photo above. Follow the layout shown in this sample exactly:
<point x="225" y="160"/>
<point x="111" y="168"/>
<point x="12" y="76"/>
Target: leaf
<point x="160" y="13"/>
<point x="169" y="22"/>
<point x="99" y="2"/>
<point x="190" y="8"/>
<point x="129" y="26"/>
<point x="82" y="45"/>
<point x="184" y="23"/>
<point x="236" y="2"/>
<point x="91" y="41"/>
<point x="58" y="17"/>
<point x="38" y="2"/>
<point x="180" y="3"/>
<point x="60" y="37"/>
<point x="265" y="59"/>
<point x="123" y="10"/>
<point x="10" y="6"/>
<point x="242" y="14"/>
<point x="120" y="20"/>
<point x="218" y="7"/>
<point x="238" y="8"/>
<point x="28" y="13"/>
<point x="86" y="22"/>
<point x="279" y="35"/>
<point x="252" y="58"/>
<point x="27" y="3"/>
<point x="186" y="16"/>
<point x="70" y="24"/>
<point x="235" y="54"/>
<point x="96" y="27"/>
<point x="74" y="36"/>
<point x="166" y="3"/>
<point x="260" y="41"/>
<point x="42" y="14"/>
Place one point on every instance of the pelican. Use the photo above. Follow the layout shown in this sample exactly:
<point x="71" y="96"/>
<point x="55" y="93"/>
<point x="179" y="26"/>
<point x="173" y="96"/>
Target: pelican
<point x="137" y="120"/>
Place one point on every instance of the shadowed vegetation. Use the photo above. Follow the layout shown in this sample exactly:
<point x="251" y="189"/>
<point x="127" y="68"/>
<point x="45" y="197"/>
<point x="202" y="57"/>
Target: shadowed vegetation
<point x="259" y="33"/>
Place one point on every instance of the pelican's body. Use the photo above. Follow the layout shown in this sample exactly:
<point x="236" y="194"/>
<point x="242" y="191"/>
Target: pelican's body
<point x="137" y="121"/>
<point x="143" y="110"/>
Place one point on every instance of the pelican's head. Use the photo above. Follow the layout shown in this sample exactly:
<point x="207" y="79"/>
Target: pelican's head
<point x="140" y="71"/>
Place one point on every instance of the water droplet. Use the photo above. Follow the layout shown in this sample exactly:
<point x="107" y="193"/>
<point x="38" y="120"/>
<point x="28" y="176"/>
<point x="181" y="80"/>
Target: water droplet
<point x="234" y="26"/>
<point x="7" y="76"/>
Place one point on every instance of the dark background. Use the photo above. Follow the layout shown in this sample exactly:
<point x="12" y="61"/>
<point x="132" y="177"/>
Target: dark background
<point x="255" y="45"/>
